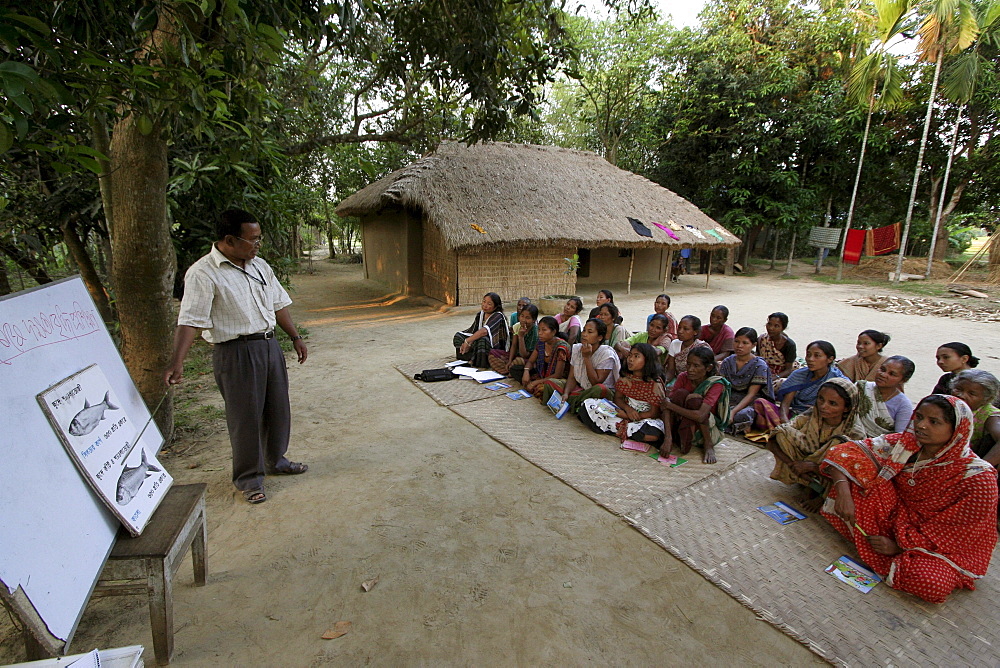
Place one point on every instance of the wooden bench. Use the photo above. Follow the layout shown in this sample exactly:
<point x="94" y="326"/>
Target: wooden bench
<point x="147" y="564"/>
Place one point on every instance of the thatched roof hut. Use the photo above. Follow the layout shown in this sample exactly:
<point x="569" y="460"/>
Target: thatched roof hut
<point x="518" y="203"/>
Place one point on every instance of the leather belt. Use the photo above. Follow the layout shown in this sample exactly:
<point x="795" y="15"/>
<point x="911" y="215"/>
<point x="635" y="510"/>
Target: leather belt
<point x="252" y="337"/>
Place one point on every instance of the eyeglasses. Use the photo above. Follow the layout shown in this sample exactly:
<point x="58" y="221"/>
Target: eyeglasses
<point x="255" y="244"/>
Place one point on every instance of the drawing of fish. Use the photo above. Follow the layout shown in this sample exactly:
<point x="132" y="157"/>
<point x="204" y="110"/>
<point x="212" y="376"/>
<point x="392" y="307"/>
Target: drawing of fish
<point x="131" y="480"/>
<point x="87" y="419"/>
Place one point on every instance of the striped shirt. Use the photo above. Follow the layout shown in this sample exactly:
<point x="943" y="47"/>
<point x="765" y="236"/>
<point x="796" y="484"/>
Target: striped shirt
<point x="227" y="301"/>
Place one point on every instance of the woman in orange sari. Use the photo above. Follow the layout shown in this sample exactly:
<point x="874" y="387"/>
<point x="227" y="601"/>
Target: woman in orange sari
<point x="920" y="507"/>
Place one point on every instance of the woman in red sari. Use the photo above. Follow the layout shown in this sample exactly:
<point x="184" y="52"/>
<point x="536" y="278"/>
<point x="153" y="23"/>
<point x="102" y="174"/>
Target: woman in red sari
<point x="919" y="506"/>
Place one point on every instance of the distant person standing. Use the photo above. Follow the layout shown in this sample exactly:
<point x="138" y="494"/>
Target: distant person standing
<point x="234" y="299"/>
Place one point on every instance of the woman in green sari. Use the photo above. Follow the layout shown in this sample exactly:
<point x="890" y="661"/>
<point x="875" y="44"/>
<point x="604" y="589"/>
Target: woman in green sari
<point x="698" y="406"/>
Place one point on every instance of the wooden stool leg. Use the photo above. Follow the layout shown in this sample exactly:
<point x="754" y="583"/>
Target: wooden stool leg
<point x="199" y="556"/>
<point x="161" y="610"/>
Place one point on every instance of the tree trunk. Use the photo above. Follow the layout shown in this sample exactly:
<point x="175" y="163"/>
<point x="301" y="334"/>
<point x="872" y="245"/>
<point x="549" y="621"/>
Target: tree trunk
<point x="30" y="263"/>
<point x="994" y="242"/>
<point x="5" y="288"/>
<point x="916" y="171"/>
<point x="145" y="261"/>
<point x="791" y="255"/>
<point x="857" y="181"/>
<point x="78" y="251"/>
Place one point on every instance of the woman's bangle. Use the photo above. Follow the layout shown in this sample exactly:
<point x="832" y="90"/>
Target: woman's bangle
<point x="295" y="338"/>
<point x="842" y="480"/>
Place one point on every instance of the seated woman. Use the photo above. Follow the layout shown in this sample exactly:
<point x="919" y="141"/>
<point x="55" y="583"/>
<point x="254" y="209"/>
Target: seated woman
<point x="660" y="307"/>
<point x="593" y="369"/>
<point x="489" y="331"/>
<point x="638" y="395"/>
<point x="882" y="406"/>
<point x="521" y="303"/>
<point x="686" y="341"/>
<point x="617" y="336"/>
<point x="952" y="358"/>
<point x="522" y="343"/>
<point x="800" y="445"/>
<point x="920" y="507"/>
<point x="718" y="334"/>
<point x="655" y="335"/>
<point x="979" y="390"/>
<point x="569" y="320"/>
<point x="605" y="297"/>
<point x="550" y="359"/>
<point x="776" y="348"/>
<point x="750" y="378"/>
<point x="698" y="406"/>
<point x="865" y="365"/>
<point x="798" y="392"/>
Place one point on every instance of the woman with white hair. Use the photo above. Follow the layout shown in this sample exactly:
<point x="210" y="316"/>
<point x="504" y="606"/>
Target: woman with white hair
<point x="979" y="389"/>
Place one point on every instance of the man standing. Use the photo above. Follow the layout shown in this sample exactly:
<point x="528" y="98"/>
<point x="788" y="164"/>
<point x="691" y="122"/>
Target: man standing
<point x="234" y="298"/>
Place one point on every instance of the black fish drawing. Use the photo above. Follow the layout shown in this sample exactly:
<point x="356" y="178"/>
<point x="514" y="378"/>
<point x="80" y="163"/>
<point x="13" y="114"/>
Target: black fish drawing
<point x="131" y="480"/>
<point x="87" y="419"/>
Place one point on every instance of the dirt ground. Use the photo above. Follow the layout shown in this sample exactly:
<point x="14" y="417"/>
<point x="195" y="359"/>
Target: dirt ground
<point x="481" y="556"/>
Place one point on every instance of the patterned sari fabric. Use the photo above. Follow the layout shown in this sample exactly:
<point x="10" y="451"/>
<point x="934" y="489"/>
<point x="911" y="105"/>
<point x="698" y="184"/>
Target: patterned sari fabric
<point x="641" y="395"/>
<point x="942" y="511"/>
<point x="856" y="368"/>
<point x="715" y="391"/>
<point x="775" y="355"/>
<point x="545" y="365"/>
<point x="603" y="357"/>
<point x="680" y="353"/>
<point x="754" y="372"/>
<point x="807" y="437"/>
<point x="874" y="417"/>
<point x="717" y="341"/>
<point x="497" y="338"/>
<point x="800" y="381"/>
<point x="500" y="359"/>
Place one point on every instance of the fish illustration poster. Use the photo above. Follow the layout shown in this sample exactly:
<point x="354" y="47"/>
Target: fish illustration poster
<point x="102" y="441"/>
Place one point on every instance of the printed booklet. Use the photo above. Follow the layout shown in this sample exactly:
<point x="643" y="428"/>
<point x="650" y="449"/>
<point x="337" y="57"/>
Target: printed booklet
<point x="853" y="573"/>
<point x="556" y="404"/>
<point x="498" y="386"/>
<point x="782" y="513"/>
<point x="519" y="394"/>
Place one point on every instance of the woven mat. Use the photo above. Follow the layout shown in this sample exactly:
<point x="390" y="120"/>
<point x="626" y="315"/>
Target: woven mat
<point x="777" y="571"/>
<point x="450" y="392"/>
<point x="593" y="464"/>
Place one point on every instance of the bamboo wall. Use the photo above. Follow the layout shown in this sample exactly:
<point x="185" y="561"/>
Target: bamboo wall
<point x="514" y="273"/>
<point x="392" y="250"/>
<point x="440" y="266"/>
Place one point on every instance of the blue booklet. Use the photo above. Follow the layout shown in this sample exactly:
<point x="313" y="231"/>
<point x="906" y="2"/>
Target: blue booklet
<point x="556" y="404"/>
<point x="782" y="513"/>
<point x="854" y="573"/>
<point x="519" y="394"/>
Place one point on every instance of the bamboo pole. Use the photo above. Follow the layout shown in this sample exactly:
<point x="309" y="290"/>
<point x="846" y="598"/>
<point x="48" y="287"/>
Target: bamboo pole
<point x="631" y="263"/>
<point x="668" y="268"/>
<point x="708" y="274"/>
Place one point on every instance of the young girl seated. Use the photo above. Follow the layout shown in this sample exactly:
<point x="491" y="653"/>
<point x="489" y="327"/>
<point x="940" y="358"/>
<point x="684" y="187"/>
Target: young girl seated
<point x="718" y="334"/>
<point x="920" y="507"/>
<point x="698" y="406"/>
<point x="750" y="377"/>
<point x="660" y="307"/>
<point x="798" y="392"/>
<point x="617" y="336"/>
<point x="522" y="344"/>
<point x="952" y="358"/>
<point x="882" y="406"/>
<point x="605" y="297"/>
<point x="800" y="445"/>
<point x="521" y="303"/>
<point x="638" y="395"/>
<point x="550" y="358"/>
<point x="866" y="363"/>
<point x="686" y="341"/>
<point x="569" y="320"/>
<point x="593" y="369"/>
<point x="776" y="348"/>
<point x="655" y="335"/>
<point x="489" y="331"/>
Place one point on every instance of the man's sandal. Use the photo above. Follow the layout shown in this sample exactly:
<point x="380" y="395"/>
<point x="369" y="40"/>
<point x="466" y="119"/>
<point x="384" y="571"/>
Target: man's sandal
<point x="293" y="468"/>
<point x="254" y="495"/>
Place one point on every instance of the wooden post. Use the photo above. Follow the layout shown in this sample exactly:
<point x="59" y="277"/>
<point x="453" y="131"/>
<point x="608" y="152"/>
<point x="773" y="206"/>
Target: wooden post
<point x="668" y="268"/>
<point x="631" y="263"/>
<point x="708" y="274"/>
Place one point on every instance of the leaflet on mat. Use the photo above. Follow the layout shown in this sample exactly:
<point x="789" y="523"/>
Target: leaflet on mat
<point x="782" y="513"/>
<point x="101" y="440"/>
<point x="853" y="573"/>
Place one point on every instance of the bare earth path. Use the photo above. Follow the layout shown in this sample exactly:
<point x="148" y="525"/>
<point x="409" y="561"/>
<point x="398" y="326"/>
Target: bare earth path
<point x="482" y="557"/>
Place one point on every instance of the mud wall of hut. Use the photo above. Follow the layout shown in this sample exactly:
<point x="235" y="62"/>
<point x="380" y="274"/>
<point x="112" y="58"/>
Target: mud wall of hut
<point x="609" y="265"/>
<point x="440" y="266"/>
<point x="392" y="250"/>
<point x="513" y="273"/>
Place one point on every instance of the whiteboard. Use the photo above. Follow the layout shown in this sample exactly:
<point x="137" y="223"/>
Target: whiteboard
<point x="54" y="531"/>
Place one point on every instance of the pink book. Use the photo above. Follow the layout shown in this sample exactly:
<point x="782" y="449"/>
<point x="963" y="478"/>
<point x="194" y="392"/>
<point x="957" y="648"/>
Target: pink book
<point x="629" y="444"/>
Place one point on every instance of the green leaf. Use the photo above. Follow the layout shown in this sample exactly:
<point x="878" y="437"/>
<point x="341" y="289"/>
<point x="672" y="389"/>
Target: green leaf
<point x="145" y="124"/>
<point x="13" y="86"/>
<point x="89" y="163"/>
<point x="18" y="69"/>
<point x="30" y="22"/>
<point x="6" y="138"/>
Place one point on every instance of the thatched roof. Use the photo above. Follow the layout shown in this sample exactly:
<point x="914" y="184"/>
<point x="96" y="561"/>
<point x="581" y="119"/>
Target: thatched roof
<point x="520" y="194"/>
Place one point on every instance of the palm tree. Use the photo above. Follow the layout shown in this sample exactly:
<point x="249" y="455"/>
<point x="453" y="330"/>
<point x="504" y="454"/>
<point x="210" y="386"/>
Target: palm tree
<point x="959" y="86"/>
<point x="874" y="68"/>
<point x="948" y="26"/>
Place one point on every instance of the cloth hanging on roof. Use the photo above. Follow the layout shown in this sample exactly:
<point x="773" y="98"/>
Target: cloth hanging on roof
<point x="667" y="231"/>
<point x="640" y="228"/>
<point x="695" y="231"/>
<point x="885" y="239"/>
<point x="715" y="234"/>
<point x="674" y="226"/>
<point x="853" y="246"/>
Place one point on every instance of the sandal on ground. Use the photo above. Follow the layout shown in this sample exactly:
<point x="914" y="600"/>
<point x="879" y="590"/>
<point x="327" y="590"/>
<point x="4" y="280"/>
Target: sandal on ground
<point x="254" y="496"/>
<point x="293" y="468"/>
